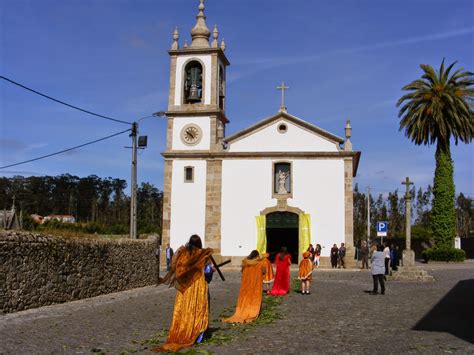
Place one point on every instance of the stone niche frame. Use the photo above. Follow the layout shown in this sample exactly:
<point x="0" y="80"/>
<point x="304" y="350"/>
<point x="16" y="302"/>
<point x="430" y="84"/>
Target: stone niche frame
<point x="276" y="194"/>
<point x="203" y="78"/>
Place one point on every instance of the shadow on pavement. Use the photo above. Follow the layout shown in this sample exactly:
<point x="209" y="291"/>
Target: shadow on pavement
<point x="453" y="314"/>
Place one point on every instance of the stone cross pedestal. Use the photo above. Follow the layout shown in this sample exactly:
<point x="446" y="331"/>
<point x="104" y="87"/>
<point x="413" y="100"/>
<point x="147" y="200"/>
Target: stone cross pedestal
<point x="409" y="272"/>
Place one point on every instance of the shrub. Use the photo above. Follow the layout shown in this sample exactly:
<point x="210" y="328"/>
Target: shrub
<point x="444" y="254"/>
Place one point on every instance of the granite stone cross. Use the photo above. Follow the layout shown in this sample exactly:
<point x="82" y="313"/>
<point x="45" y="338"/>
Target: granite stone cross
<point x="282" y="88"/>
<point x="407" y="182"/>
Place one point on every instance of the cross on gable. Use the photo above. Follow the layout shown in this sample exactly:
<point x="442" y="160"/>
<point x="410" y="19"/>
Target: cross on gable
<point x="282" y="88"/>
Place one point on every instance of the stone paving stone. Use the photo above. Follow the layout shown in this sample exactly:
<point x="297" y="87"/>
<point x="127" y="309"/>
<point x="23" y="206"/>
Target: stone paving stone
<point x="338" y="317"/>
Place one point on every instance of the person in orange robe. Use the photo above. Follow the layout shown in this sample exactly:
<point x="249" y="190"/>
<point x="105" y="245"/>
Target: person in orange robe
<point x="191" y="308"/>
<point x="305" y="272"/>
<point x="250" y="295"/>
<point x="269" y="276"/>
<point x="281" y="286"/>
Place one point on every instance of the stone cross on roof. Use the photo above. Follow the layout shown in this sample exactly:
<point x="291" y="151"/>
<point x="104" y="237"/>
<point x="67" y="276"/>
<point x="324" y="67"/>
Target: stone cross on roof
<point x="282" y="88"/>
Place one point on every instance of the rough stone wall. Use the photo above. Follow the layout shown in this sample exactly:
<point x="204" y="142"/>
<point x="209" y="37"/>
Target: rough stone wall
<point x="37" y="270"/>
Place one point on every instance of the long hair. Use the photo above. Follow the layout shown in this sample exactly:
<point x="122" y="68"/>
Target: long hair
<point x="283" y="252"/>
<point x="253" y="254"/>
<point x="194" y="243"/>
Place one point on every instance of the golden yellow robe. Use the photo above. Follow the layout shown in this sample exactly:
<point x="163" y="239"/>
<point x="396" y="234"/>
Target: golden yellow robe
<point x="191" y="313"/>
<point x="249" y="302"/>
<point x="269" y="275"/>
<point x="305" y="270"/>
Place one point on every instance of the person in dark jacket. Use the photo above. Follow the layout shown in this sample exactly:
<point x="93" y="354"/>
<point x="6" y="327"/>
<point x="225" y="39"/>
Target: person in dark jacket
<point x="334" y="256"/>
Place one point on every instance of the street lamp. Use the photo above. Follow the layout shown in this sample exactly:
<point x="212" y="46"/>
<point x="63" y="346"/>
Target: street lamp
<point x="142" y="143"/>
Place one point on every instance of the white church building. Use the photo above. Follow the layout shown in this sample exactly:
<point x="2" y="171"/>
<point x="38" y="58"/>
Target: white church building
<point x="280" y="182"/>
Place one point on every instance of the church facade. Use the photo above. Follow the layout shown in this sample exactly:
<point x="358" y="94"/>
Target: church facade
<point x="281" y="182"/>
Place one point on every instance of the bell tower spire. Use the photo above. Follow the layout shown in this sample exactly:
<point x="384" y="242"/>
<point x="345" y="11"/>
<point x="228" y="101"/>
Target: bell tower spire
<point x="200" y="33"/>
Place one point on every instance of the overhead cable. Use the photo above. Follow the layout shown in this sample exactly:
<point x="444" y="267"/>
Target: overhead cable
<point x="65" y="150"/>
<point x="64" y="103"/>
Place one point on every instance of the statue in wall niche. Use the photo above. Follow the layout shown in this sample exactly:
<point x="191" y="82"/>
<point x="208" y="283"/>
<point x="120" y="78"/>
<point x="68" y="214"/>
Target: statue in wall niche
<point x="282" y="176"/>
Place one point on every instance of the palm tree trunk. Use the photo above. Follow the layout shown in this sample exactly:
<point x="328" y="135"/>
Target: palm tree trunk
<point x="444" y="214"/>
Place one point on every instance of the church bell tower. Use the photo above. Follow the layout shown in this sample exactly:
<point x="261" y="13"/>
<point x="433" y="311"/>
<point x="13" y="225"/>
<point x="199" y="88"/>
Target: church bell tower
<point x="196" y="105"/>
<point x="195" y="133"/>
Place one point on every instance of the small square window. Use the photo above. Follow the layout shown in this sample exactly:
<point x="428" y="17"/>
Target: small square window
<point x="188" y="174"/>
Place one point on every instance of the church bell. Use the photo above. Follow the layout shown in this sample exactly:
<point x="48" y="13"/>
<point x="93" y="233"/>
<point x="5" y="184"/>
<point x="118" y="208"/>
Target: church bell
<point x="194" y="85"/>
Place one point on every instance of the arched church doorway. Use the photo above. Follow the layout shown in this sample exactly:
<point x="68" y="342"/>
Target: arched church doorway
<point x="282" y="230"/>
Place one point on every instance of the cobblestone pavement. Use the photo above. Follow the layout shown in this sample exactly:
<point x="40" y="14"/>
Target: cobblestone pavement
<point x="338" y="317"/>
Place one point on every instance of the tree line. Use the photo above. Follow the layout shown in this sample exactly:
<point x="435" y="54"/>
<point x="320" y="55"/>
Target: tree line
<point x="91" y="200"/>
<point x="102" y="202"/>
<point x="391" y="207"/>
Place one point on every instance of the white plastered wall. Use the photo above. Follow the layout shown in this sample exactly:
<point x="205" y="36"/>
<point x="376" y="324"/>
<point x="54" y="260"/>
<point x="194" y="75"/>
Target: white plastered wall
<point x="295" y="139"/>
<point x="188" y="202"/>
<point x="180" y="64"/>
<point x="318" y="189"/>
<point x="204" y="122"/>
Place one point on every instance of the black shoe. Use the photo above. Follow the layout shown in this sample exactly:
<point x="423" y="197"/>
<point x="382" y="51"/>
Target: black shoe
<point x="382" y="293"/>
<point x="372" y="293"/>
<point x="308" y="293"/>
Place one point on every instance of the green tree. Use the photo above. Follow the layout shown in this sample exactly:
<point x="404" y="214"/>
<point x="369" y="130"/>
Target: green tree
<point x="464" y="215"/>
<point x="437" y="108"/>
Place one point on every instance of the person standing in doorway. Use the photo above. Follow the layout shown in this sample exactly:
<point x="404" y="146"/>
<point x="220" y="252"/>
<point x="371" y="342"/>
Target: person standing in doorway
<point x="378" y="269"/>
<point x="334" y="256"/>
<point x="169" y="257"/>
<point x="342" y="256"/>
<point x="364" y="254"/>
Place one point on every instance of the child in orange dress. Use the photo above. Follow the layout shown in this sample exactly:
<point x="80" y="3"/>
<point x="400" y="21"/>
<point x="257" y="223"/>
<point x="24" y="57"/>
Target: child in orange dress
<point x="269" y="276"/>
<point x="305" y="273"/>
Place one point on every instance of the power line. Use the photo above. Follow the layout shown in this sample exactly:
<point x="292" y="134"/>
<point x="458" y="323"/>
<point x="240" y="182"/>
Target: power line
<point x="64" y="103"/>
<point x="65" y="150"/>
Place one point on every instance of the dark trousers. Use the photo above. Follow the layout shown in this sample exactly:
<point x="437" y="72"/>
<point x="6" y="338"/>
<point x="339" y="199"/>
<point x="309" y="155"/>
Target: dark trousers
<point x="379" y="278"/>
<point x="365" y="262"/>
<point x="168" y="264"/>
<point x="334" y="261"/>
<point x="387" y="266"/>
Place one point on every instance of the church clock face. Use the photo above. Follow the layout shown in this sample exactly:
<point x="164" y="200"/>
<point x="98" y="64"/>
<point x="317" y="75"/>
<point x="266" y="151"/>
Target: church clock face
<point x="191" y="134"/>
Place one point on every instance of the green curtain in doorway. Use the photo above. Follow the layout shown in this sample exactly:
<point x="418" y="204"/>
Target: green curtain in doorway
<point x="304" y="232"/>
<point x="261" y="234"/>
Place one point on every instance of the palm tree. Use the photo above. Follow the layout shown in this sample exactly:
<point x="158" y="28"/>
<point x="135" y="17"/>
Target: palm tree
<point x="437" y="108"/>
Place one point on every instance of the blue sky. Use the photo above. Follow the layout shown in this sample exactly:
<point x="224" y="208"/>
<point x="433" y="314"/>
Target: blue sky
<point x="341" y="59"/>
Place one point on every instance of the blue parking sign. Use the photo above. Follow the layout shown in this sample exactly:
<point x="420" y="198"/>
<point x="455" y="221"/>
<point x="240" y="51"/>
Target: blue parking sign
<point x="382" y="228"/>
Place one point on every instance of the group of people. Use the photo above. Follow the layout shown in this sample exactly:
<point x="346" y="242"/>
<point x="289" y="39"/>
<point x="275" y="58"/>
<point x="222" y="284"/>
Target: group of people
<point x="190" y="270"/>
<point x="338" y="256"/>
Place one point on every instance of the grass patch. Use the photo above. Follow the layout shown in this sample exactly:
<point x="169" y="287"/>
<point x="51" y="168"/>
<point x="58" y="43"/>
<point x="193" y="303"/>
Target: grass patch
<point x="295" y="285"/>
<point x="157" y="339"/>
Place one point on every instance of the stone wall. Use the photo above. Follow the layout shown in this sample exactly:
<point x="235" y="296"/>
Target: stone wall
<point x="37" y="270"/>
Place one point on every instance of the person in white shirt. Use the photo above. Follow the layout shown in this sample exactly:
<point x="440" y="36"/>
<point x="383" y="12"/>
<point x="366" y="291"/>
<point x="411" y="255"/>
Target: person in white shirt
<point x="386" y="254"/>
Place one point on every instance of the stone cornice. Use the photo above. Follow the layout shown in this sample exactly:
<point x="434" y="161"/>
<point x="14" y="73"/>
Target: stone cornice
<point x="205" y="154"/>
<point x="197" y="51"/>
<point x="197" y="110"/>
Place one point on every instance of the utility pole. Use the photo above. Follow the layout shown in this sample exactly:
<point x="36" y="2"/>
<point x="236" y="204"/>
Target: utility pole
<point x="133" y="187"/>
<point x="408" y="254"/>
<point x="368" y="216"/>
